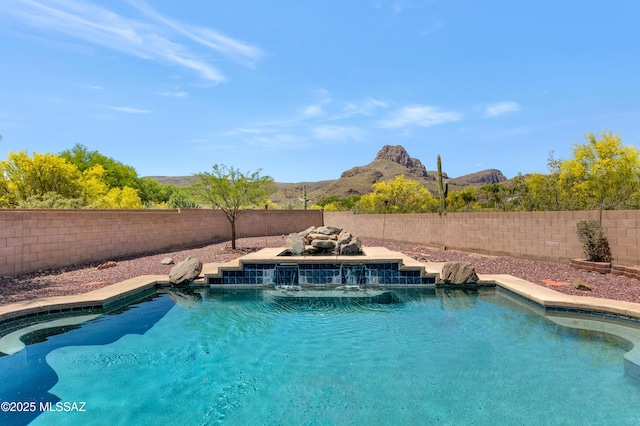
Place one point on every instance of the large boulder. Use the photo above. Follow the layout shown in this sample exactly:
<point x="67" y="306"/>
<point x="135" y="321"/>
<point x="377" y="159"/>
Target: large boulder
<point x="458" y="273"/>
<point x="352" y="247"/>
<point x="328" y="230"/>
<point x="344" y="238"/>
<point x="296" y="244"/>
<point x="186" y="271"/>
<point x="324" y="244"/>
<point x="307" y="231"/>
<point x="316" y="236"/>
<point x="325" y="240"/>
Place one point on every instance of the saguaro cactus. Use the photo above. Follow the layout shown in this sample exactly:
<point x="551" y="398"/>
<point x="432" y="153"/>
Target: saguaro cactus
<point x="304" y="198"/>
<point x="443" y="189"/>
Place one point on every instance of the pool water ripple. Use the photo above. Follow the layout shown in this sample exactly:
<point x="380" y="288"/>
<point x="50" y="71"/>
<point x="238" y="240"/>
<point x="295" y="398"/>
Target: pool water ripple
<point x="427" y="360"/>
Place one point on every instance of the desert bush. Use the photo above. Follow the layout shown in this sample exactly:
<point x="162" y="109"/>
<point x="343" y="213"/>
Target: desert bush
<point x="594" y="242"/>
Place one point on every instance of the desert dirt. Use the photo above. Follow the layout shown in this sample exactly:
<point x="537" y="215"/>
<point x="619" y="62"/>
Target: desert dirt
<point x="87" y="277"/>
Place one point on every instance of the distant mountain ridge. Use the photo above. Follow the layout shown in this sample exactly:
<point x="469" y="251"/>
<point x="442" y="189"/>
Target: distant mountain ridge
<point x="390" y="161"/>
<point x="399" y="155"/>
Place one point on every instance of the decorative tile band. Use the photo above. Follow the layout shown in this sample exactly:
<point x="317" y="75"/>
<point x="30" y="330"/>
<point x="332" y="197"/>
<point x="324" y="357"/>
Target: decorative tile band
<point x="321" y="274"/>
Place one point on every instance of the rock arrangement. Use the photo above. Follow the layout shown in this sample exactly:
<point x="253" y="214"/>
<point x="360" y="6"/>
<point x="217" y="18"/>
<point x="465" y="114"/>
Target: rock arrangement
<point x="329" y="240"/>
<point x="186" y="271"/>
<point x="458" y="273"/>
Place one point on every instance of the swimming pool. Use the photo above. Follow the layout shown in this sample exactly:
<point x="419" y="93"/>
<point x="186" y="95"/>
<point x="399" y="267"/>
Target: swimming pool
<point x="424" y="356"/>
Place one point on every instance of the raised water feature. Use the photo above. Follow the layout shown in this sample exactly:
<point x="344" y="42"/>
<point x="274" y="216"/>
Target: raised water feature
<point x="375" y="266"/>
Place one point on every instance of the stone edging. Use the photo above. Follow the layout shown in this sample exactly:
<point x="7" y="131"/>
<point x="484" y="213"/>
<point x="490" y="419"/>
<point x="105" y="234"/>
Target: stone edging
<point x="605" y="268"/>
<point x="100" y="298"/>
<point x="96" y="299"/>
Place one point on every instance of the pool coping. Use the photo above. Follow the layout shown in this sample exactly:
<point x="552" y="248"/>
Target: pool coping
<point x="101" y="298"/>
<point x="542" y="297"/>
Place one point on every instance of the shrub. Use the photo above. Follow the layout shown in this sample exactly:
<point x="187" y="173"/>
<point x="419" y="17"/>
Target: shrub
<point x="594" y="242"/>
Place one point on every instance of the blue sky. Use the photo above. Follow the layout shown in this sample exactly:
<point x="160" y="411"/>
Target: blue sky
<point x="306" y="90"/>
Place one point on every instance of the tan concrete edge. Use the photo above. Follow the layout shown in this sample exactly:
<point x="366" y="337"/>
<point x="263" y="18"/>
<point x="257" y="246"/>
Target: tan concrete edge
<point x="539" y="294"/>
<point x="95" y="298"/>
<point x="550" y="298"/>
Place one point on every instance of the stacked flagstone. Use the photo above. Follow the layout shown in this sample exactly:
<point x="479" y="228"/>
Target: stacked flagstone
<point x="323" y="240"/>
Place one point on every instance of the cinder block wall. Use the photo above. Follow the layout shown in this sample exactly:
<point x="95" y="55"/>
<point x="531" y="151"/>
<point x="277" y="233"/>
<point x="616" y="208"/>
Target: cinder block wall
<point x="534" y="235"/>
<point x="32" y="240"/>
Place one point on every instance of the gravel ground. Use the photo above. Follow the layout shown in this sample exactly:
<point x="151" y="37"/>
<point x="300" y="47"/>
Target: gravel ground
<point x="83" y="278"/>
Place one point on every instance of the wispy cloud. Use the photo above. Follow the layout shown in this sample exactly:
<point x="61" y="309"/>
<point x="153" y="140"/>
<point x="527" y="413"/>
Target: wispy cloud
<point x="154" y="37"/>
<point x="233" y="49"/>
<point x="130" y="110"/>
<point x="366" y="107"/>
<point x="318" y="108"/>
<point x="420" y="115"/>
<point x="500" y="108"/>
<point x="333" y="110"/>
<point x="338" y="134"/>
<point x="270" y="136"/>
<point x="176" y="94"/>
<point x="334" y="121"/>
<point x="313" y="111"/>
<point x="278" y="141"/>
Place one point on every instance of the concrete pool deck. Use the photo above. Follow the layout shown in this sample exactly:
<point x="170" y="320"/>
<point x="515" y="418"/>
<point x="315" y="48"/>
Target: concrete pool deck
<point x="545" y="298"/>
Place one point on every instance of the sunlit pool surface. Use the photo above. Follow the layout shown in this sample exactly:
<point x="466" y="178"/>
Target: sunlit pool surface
<point x="419" y="357"/>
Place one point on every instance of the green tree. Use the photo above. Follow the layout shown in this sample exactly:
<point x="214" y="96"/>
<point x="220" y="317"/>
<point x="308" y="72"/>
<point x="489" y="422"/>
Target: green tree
<point x="232" y="191"/>
<point x="51" y="181"/>
<point x="51" y="200"/>
<point x="603" y="174"/>
<point x="398" y="196"/>
<point x="464" y="199"/>
<point x="335" y="203"/>
<point x="25" y="176"/>
<point x="117" y="174"/>
<point x="152" y="193"/>
<point x="542" y="191"/>
<point x="180" y="198"/>
<point x="493" y="192"/>
<point x="517" y="193"/>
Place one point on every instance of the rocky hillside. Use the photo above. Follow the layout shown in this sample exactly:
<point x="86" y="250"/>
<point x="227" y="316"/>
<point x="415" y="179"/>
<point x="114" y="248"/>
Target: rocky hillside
<point x="399" y="155"/>
<point x="391" y="161"/>
<point x="479" y="178"/>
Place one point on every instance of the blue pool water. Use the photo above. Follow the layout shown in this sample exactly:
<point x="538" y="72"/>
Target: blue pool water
<point x="238" y="359"/>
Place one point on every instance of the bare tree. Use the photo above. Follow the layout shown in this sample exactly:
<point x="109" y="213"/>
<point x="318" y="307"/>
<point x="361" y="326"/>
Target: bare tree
<point x="231" y="191"/>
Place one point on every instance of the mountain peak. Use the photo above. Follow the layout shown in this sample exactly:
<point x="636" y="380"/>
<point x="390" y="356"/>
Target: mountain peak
<point x="399" y="155"/>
